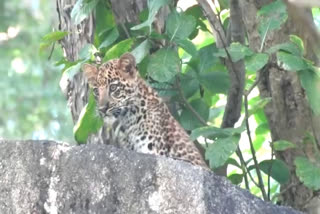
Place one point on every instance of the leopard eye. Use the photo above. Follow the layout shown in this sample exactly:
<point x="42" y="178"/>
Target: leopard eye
<point x="95" y="92"/>
<point x="113" y="87"/>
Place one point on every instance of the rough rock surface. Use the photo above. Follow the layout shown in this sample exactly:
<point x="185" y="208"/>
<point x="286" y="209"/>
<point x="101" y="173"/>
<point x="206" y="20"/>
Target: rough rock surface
<point x="51" y="177"/>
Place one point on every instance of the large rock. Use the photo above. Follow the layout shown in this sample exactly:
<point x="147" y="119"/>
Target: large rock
<point x="50" y="177"/>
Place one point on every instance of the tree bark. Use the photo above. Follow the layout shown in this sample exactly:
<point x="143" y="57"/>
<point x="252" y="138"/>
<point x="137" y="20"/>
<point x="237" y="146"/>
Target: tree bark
<point x="288" y="113"/>
<point x="76" y="91"/>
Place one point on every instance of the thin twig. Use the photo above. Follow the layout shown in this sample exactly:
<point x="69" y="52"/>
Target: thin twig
<point x="51" y="51"/>
<point x="269" y="172"/>
<point x="255" y="161"/>
<point x="285" y="190"/>
<point x="243" y="167"/>
<point x="187" y="104"/>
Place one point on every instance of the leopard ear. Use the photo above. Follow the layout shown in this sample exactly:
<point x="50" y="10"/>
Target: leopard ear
<point x="91" y="73"/>
<point x="127" y="65"/>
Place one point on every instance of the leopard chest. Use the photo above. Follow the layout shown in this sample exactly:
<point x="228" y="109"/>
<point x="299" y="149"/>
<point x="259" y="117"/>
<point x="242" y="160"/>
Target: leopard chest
<point x="142" y="130"/>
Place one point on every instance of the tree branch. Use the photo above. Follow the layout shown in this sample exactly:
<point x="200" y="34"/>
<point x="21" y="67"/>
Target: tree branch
<point x="253" y="152"/>
<point x="187" y="104"/>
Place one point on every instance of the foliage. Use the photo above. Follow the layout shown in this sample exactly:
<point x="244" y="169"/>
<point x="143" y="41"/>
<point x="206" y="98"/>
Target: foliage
<point x="89" y="121"/>
<point x="32" y="105"/>
<point x="189" y="70"/>
<point x="204" y="81"/>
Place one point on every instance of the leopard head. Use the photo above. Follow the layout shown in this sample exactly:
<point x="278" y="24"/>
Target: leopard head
<point x="114" y="83"/>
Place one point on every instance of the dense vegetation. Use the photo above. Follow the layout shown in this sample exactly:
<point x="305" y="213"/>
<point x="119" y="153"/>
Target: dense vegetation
<point x="185" y="66"/>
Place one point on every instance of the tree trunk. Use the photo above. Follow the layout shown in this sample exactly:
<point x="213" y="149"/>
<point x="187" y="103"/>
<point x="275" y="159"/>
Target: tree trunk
<point x="76" y="90"/>
<point x="288" y="113"/>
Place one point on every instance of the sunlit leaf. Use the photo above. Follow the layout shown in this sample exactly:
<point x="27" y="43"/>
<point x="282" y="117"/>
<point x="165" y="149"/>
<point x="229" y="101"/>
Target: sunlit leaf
<point x="272" y="16"/>
<point x="82" y="10"/>
<point x="289" y="47"/>
<point x="179" y="26"/>
<point x="308" y="172"/>
<point x="54" y="36"/>
<point x="281" y="145"/>
<point x="188" y="46"/>
<point x="310" y="81"/>
<point x="89" y="122"/>
<point x="260" y="104"/>
<point x="218" y="152"/>
<point x="298" y="42"/>
<point x="262" y="129"/>
<point x="118" y="49"/>
<point x="87" y="52"/>
<point x="164" y="65"/>
<point x="141" y="50"/>
<point x="236" y="50"/>
<point x="258" y="142"/>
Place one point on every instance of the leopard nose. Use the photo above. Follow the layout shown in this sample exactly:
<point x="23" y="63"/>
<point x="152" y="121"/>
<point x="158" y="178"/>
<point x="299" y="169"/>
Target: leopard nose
<point x="104" y="108"/>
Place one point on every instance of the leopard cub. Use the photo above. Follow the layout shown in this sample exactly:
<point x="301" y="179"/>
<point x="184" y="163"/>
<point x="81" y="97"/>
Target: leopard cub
<point x="143" y="120"/>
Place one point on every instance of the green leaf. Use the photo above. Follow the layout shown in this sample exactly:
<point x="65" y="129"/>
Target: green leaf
<point x="308" y="172"/>
<point x="188" y="46"/>
<point x="236" y="179"/>
<point x="279" y="170"/>
<point x="291" y="62"/>
<point x="282" y="145"/>
<point x="233" y="162"/>
<point x="215" y="82"/>
<point x="163" y="89"/>
<point x="258" y="142"/>
<point x="298" y="42"/>
<point x="310" y="81"/>
<point x="164" y="65"/>
<point x="218" y="152"/>
<point x="187" y="118"/>
<point x="154" y="6"/>
<point x="104" y="18"/>
<point x="112" y="36"/>
<point x="209" y="132"/>
<point x="260" y="104"/>
<point x="190" y="84"/>
<point x="272" y="16"/>
<point x="141" y="51"/>
<point x="262" y="129"/>
<point x="195" y="11"/>
<point x="236" y="50"/>
<point x="179" y="26"/>
<point x="256" y="61"/>
<point x="54" y="36"/>
<point x="87" y="52"/>
<point x="82" y="10"/>
<point x="118" y="49"/>
<point x="214" y="132"/>
<point x="72" y="70"/>
<point x="224" y="4"/>
<point x="89" y="122"/>
<point x="205" y="60"/>
<point x="289" y="47"/>
<point x="43" y="46"/>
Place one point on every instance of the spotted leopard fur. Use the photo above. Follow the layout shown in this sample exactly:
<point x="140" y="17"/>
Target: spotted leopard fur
<point x="144" y="123"/>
